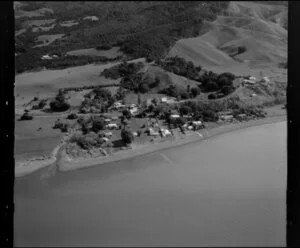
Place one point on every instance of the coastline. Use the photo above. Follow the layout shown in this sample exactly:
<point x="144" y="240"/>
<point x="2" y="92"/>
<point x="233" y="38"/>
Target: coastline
<point x="64" y="164"/>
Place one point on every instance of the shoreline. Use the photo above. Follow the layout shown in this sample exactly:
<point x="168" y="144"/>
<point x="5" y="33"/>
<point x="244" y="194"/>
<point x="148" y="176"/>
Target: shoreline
<point x="64" y="164"/>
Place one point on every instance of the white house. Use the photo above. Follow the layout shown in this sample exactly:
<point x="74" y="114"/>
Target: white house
<point x="175" y="116"/>
<point x="46" y="57"/>
<point x="265" y="80"/>
<point x="112" y="126"/>
<point x="252" y="78"/>
<point x="246" y="81"/>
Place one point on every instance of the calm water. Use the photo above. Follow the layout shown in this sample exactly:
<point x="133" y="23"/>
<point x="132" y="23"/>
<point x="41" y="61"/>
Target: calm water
<point x="226" y="191"/>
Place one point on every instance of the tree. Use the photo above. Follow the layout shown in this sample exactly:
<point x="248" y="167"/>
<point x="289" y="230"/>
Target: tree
<point x="98" y="124"/>
<point x="195" y="91"/>
<point x="211" y="86"/>
<point x="139" y="99"/>
<point x="184" y="110"/>
<point x="212" y="96"/>
<point x="227" y="90"/>
<point x="126" y="113"/>
<point x="127" y="136"/>
<point x="144" y="88"/>
<point x="59" y="104"/>
<point x="26" y="117"/>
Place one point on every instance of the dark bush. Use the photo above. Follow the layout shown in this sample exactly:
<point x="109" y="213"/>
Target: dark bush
<point x="227" y="90"/>
<point x="211" y="86"/>
<point x="184" y="110"/>
<point x="26" y="117"/>
<point x="212" y="96"/>
<point x="195" y="91"/>
<point x="98" y="124"/>
<point x="72" y="116"/>
<point x="127" y="136"/>
<point x="184" y="95"/>
<point x="126" y="113"/>
<point x="144" y="88"/>
<point x="59" y="104"/>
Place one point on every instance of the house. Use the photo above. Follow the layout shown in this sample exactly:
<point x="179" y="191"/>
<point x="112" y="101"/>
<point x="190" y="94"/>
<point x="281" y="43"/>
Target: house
<point x="265" y="80"/>
<point x="46" y="57"/>
<point x="241" y="117"/>
<point x="112" y="126"/>
<point x="107" y="120"/>
<point x="133" y="110"/>
<point x="229" y="112"/>
<point x="108" y="134"/>
<point x="164" y="99"/>
<point x="105" y="139"/>
<point x="252" y="78"/>
<point x="226" y="117"/>
<point x="152" y="132"/>
<point x="174" y="116"/>
<point x="246" y="81"/>
<point x="252" y="95"/>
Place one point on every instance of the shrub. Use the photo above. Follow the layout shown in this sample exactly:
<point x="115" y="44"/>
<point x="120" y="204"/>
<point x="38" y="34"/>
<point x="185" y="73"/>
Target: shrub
<point x="212" y="96"/>
<point x="195" y="91"/>
<point x="59" y="104"/>
<point x="184" y="110"/>
<point x="26" y="117"/>
<point x="72" y="116"/>
<point x="98" y="124"/>
<point x="126" y="113"/>
<point x="144" y="88"/>
<point x="184" y="95"/>
<point x="227" y="89"/>
<point x="127" y="136"/>
<point x="211" y="86"/>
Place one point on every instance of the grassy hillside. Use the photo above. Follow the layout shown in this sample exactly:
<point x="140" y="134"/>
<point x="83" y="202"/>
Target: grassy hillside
<point x="246" y="33"/>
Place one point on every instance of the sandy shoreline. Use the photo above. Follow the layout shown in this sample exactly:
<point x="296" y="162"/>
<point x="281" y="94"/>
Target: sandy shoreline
<point x="66" y="165"/>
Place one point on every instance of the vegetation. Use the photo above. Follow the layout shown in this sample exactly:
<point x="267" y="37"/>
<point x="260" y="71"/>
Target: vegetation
<point x="125" y="70"/>
<point x="72" y="116"/>
<point x="181" y="67"/>
<point x="141" y="30"/>
<point x="59" y="104"/>
<point x="26" y="116"/>
<point x="127" y="136"/>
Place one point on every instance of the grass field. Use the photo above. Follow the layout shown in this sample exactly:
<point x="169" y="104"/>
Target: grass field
<point x="111" y="53"/>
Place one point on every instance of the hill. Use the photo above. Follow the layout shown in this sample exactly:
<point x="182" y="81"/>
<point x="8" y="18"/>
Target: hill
<point x="247" y="33"/>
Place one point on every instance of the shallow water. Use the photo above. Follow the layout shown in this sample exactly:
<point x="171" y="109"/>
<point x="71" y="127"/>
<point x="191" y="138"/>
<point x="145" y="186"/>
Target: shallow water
<point x="226" y="191"/>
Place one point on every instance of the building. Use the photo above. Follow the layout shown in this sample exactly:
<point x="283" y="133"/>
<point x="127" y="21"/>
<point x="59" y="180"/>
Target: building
<point x="252" y="78"/>
<point x="226" y="117"/>
<point x="265" y="80"/>
<point x="46" y="57"/>
<point x="249" y="82"/>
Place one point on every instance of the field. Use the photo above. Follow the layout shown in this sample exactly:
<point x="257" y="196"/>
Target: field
<point x="48" y="39"/>
<point x="111" y="53"/>
<point x="29" y="142"/>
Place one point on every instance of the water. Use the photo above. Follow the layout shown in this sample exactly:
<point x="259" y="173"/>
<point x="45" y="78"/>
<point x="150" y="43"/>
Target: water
<point x="226" y="191"/>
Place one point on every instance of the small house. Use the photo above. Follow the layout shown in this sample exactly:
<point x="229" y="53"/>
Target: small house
<point x="252" y="78"/>
<point x="108" y="134"/>
<point x="265" y="80"/>
<point x="226" y="117"/>
<point x="175" y="116"/>
<point x="46" y="57"/>
<point x="112" y="126"/>
<point x="249" y="82"/>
